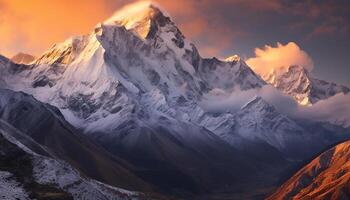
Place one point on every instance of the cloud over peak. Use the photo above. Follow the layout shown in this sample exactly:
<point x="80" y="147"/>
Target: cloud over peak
<point x="274" y="58"/>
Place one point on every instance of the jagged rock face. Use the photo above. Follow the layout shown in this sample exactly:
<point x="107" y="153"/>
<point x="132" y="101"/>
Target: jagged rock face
<point x="297" y="82"/>
<point x="326" y="177"/>
<point x="126" y="57"/>
<point x="258" y="121"/>
<point x="63" y="53"/>
<point x="228" y="75"/>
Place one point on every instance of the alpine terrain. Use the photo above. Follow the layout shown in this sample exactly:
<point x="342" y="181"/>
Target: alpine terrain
<point x="122" y="107"/>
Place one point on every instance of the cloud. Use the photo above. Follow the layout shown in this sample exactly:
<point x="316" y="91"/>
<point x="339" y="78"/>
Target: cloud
<point x="218" y="100"/>
<point x="283" y="103"/>
<point x="335" y="110"/>
<point x="274" y="58"/>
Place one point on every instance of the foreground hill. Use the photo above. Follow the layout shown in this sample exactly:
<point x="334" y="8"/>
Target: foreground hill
<point x="326" y="177"/>
<point x="29" y="171"/>
<point x="45" y="125"/>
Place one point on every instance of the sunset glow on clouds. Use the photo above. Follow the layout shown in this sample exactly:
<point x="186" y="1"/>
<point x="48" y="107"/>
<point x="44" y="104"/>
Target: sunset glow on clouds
<point x="281" y="56"/>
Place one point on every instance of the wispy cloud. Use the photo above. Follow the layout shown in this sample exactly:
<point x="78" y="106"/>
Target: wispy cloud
<point x="335" y="110"/>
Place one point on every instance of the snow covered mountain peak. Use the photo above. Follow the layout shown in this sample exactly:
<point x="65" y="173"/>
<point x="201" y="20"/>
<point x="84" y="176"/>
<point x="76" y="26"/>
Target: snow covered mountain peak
<point x="260" y="120"/>
<point x="136" y="17"/>
<point x="109" y="72"/>
<point x="144" y="18"/>
<point x="273" y="76"/>
<point x="141" y="22"/>
<point x="293" y="80"/>
<point x="297" y="82"/>
<point x="234" y="58"/>
<point x="134" y="13"/>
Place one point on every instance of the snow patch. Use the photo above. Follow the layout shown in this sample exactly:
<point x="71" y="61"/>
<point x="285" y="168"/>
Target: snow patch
<point x="10" y="189"/>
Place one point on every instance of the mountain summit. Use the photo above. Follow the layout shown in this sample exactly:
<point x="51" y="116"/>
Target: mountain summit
<point x="157" y="59"/>
<point x="141" y="17"/>
<point x="297" y="82"/>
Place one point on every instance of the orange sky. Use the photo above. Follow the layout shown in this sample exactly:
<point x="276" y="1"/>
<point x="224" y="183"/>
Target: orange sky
<point x="32" y="26"/>
<point x="35" y="25"/>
